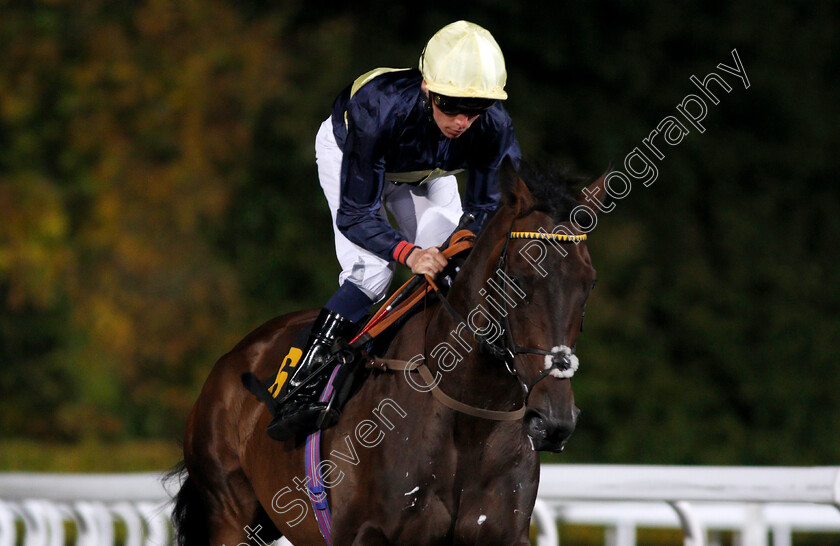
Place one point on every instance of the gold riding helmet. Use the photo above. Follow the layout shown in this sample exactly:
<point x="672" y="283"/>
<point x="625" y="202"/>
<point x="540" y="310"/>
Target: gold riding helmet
<point x="464" y="69"/>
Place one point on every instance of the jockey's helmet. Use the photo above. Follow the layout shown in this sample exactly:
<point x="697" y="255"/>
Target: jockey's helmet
<point x="463" y="60"/>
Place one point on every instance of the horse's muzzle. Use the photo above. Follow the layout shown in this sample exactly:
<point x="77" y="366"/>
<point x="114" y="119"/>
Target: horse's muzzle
<point x="549" y="433"/>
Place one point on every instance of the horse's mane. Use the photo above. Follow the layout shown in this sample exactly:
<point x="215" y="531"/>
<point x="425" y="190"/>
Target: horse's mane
<point x="553" y="188"/>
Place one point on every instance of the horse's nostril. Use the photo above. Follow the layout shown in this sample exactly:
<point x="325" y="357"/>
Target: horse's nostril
<point x="535" y="424"/>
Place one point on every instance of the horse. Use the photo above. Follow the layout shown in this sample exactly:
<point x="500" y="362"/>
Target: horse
<point x="403" y="467"/>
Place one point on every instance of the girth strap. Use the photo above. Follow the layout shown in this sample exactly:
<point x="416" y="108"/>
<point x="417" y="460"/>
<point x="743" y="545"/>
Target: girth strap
<point x="445" y="399"/>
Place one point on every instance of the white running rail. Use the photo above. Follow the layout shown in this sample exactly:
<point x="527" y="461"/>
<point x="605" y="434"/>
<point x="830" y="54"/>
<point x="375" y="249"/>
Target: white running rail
<point x="700" y="500"/>
<point x="749" y="500"/>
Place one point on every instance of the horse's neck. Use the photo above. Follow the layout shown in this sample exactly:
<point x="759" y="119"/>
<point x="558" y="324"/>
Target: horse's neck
<point x="467" y="373"/>
<point x="476" y="377"/>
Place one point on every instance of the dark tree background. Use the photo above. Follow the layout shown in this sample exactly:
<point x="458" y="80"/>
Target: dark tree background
<point x="159" y="199"/>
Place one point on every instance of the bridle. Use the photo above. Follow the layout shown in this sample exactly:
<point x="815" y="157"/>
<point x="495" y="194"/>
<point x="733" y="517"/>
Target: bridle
<point x="560" y="362"/>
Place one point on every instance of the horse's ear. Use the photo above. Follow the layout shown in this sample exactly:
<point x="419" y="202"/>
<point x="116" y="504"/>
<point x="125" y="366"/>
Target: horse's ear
<point x="515" y="193"/>
<point x="597" y="190"/>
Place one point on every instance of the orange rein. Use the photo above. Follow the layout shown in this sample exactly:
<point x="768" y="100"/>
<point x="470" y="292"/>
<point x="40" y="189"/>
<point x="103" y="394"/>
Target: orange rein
<point x="383" y="318"/>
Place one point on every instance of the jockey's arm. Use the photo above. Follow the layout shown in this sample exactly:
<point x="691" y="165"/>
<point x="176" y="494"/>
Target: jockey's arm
<point x="363" y="177"/>
<point x="362" y="181"/>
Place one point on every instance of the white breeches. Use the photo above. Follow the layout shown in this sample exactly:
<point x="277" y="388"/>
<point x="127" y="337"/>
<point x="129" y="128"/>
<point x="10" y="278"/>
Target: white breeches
<point x="426" y="216"/>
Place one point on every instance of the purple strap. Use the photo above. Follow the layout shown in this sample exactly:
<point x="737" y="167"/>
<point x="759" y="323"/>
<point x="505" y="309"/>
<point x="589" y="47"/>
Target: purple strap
<point x="312" y="460"/>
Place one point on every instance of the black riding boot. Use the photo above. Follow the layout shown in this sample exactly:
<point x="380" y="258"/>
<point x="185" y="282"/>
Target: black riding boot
<point x="299" y="412"/>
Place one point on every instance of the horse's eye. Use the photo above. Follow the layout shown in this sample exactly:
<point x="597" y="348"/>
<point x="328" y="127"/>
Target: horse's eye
<point x="524" y="284"/>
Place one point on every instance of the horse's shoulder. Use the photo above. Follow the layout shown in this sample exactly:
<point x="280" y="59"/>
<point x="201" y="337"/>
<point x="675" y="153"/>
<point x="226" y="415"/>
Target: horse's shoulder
<point x="407" y="338"/>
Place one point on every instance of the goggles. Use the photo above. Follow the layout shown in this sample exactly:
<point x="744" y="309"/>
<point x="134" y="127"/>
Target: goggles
<point x="469" y="106"/>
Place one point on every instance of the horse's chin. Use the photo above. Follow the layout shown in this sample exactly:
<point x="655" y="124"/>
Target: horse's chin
<point x="543" y="445"/>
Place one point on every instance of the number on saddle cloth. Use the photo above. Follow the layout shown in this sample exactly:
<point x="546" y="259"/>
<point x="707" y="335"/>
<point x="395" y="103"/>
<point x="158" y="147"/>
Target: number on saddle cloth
<point x="289" y="362"/>
<point x="267" y="391"/>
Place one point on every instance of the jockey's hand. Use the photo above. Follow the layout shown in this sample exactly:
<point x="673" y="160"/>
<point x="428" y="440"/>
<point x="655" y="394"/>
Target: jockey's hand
<point x="428" y="261"/>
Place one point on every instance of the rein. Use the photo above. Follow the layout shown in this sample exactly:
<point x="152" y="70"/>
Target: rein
<point x="445" y="399"/>
<point x="559" y="361"/>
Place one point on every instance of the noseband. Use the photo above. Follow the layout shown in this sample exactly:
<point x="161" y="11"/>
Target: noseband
<point x="559" y="361"/>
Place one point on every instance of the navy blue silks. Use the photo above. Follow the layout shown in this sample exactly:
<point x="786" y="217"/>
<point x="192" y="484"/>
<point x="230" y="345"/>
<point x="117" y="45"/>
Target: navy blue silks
<point x="389" y="129"/>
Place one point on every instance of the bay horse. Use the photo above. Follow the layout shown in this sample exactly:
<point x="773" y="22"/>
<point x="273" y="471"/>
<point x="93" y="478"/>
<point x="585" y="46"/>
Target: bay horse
<point x="400" y="467"/>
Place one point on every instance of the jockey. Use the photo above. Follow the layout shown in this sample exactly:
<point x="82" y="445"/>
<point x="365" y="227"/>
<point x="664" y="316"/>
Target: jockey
<point x="394" y="141"/>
